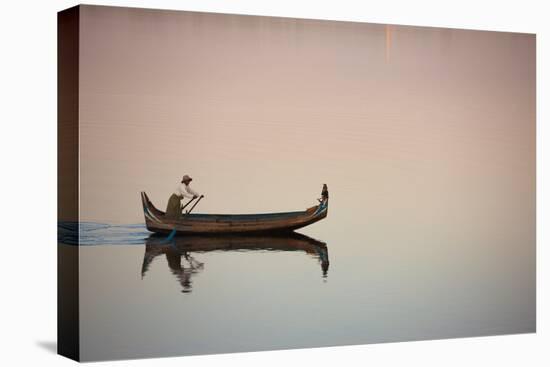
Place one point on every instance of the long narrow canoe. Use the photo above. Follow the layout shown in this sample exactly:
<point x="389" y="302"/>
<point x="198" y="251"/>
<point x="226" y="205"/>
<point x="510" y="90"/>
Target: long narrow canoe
<point x="156" y="221"/>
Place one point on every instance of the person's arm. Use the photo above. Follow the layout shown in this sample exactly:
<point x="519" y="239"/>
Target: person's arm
<point x="184" y="191"/>
<point x="192" y="192"/>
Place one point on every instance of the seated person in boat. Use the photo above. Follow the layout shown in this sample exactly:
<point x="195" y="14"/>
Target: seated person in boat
<point x="183" y="190"/>
<point x="324" y="194"/>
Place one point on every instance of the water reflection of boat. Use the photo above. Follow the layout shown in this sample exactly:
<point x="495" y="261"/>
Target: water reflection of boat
<point x="184" y="247"/>
<point x="156" y="221"/>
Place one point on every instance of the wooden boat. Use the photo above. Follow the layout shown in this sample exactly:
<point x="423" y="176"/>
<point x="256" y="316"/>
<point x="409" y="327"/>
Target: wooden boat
<point x="156" y="221"/>
<point x="185" y="247"/>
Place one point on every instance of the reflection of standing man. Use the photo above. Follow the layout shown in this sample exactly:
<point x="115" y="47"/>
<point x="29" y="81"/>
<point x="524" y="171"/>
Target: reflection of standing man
<point x="182" y="273"/>
<point x="174" y="207"/>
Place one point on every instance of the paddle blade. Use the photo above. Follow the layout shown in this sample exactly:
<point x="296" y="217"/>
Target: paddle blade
<point x="171" y="235"/>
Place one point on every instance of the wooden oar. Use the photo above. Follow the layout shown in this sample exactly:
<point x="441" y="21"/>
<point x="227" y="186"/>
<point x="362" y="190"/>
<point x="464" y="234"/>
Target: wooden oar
<point x="189" y="211"/>
<point x="189" y="202"/>
<point x="173" y="233"/>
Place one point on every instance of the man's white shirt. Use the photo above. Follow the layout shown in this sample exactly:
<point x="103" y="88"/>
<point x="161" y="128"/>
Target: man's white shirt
<point x="185" y="191"/>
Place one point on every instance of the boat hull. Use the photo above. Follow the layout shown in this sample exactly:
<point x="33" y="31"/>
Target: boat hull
<point x="156" y="221"/>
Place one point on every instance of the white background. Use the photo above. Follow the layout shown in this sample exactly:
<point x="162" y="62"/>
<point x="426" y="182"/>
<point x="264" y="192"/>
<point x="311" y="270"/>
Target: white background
<point x="28" y="174"/>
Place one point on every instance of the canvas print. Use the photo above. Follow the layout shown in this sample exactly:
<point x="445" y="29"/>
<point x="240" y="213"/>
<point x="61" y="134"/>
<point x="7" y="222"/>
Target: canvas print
<point x="233" y="183"/>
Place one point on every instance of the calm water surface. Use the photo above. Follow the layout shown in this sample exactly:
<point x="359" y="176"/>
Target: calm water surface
<point x="142" y="296"/>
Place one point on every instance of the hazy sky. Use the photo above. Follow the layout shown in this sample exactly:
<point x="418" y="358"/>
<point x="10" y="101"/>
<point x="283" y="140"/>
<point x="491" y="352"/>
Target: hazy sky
<point x="262" y="111"/>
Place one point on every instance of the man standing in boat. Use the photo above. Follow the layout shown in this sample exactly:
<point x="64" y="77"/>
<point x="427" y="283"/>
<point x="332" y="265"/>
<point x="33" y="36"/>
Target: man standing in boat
<point x="174" y="207"/>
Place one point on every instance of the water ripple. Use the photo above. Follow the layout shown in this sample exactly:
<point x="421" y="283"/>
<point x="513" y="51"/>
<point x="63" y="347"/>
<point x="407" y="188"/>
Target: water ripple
<point x="91" y="233"/>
